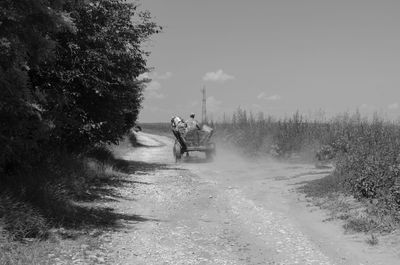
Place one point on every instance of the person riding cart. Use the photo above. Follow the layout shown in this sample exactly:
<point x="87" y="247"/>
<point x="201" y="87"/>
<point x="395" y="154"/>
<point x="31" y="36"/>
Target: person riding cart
<point x="192" y="123"/>
<point x="190" y="136"/>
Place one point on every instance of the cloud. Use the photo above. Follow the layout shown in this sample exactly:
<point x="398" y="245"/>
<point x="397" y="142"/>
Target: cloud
<point x="264" y="96"/>
<point x="153" y="86"/>
<point x="218" y="76"/>
<point x="152" y="89"/>
<point x="393" y="106"/>
<point x="165" y="75"/>
<point x="261" y="95"/>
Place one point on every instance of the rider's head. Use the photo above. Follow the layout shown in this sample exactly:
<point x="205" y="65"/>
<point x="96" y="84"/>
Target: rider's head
<point x="192" y="115"/>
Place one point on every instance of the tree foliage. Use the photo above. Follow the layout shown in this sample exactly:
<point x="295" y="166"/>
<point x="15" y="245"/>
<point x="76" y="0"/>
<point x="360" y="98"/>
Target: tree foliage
<point x="94" y="85"/>
<point x="24" y="44"/>
<point x="68" y="75"/>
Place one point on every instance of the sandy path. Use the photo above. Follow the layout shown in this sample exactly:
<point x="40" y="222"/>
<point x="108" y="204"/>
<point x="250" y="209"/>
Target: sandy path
<point x="230" y="211"/>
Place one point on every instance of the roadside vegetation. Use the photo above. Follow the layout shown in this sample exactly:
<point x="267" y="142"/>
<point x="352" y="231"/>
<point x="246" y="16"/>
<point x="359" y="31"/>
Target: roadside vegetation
<point x="365" y="154"/>
<point x="69" y="88"/>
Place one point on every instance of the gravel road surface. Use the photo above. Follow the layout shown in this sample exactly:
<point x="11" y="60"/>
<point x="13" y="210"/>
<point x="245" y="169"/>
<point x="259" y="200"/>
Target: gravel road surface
<point x="229" y="211"/>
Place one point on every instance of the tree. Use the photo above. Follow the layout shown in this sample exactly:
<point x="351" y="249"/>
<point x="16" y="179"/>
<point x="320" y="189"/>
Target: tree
<point x="68" y="75"/>
<point x="25" y="26"/>
<point x="93" y="94"/>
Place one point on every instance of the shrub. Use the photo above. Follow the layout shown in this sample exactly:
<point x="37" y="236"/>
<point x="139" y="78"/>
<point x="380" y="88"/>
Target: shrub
<point x="101" y="153"/>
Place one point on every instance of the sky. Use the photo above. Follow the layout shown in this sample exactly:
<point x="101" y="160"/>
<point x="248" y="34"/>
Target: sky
<point x="276" y="57"/>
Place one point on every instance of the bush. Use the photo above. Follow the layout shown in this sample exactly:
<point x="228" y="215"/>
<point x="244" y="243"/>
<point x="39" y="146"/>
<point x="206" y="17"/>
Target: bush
<point x="270" y="136"/>
<point x="100" y="153"/>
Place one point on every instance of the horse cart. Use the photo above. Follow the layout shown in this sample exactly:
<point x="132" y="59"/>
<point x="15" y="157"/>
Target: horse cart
<point x="193" y="141"/>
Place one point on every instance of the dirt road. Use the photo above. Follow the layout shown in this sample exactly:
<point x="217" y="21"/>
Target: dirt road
<point x="230" y="211"/>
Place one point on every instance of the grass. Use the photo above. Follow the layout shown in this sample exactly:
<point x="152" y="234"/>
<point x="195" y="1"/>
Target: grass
<point x="373" y="240"/>
<point x="15" y="253"/>
<point x="356" y="215"/>
<point x="33" y="202"/>
<point x="21" y="219"/>
<point x="66" y="208"/>
<point x="56" y="204"/>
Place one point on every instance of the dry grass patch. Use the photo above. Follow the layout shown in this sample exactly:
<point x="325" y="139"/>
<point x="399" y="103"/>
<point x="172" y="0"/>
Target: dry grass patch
<point x="358" y="216"/>
<point x="23" y="253"/>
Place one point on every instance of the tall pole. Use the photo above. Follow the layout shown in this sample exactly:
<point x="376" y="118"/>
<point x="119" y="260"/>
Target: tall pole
<point x="204" y="106"/>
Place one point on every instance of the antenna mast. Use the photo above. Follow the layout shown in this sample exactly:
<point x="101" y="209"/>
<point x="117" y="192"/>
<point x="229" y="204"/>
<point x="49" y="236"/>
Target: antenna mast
<point x="204" y="106"/>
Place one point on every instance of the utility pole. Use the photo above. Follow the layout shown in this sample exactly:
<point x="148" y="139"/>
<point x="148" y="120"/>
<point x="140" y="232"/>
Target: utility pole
<point x="204" y="106"/>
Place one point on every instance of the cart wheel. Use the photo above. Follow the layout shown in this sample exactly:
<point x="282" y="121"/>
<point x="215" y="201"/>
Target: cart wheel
<point x="177" y="151"/>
